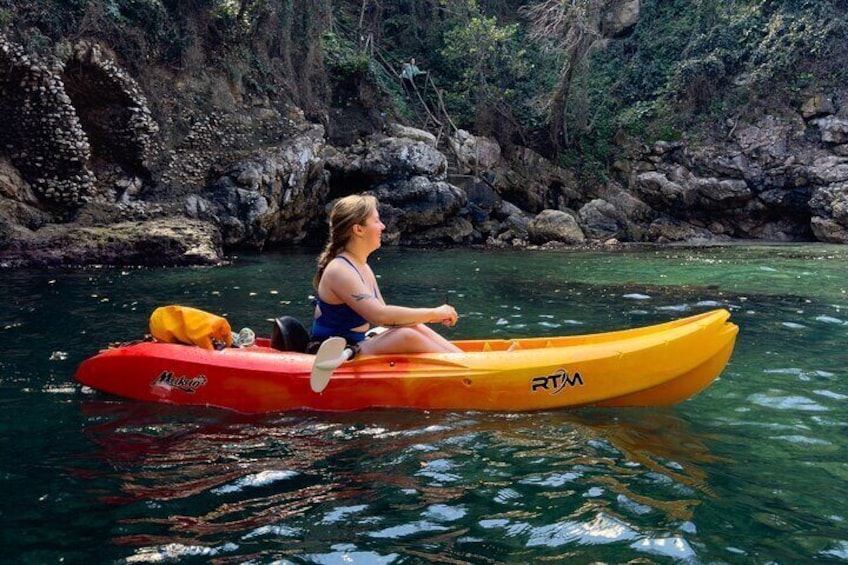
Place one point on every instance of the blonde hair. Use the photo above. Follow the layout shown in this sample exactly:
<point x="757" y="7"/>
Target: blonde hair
<point x="347" y="212"/>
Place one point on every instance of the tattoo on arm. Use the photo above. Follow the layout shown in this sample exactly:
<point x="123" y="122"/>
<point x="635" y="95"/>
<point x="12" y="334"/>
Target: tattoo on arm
<point x="361" y="296"/>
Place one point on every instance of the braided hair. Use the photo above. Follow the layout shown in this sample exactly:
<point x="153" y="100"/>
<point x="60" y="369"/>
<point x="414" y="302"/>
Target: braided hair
<point x="346" y="212"/>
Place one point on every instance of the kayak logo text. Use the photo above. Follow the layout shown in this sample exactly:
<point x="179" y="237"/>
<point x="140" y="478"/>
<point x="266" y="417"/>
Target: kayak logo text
<point x="556" y="382"/>
<point x="185" y="384"/>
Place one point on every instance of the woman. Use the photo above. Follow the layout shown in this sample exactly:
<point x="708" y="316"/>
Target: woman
<point x="408" y="73"/>
<point x="349" y="301"/>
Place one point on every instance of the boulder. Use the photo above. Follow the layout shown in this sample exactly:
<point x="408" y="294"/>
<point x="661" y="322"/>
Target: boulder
<point x="661" y="193"/>
<point x="454" y="231"/>
<point x="621" y="17"/>
<point x="833" y="130"/>
<point x="401" y="157"/>
<point x="721" y="194"/>
<point x="413" y="134"/>
<point x="554" y="225"/>
<point x="475" y="153"/>
<point x="817" y="105"/>
<point x="533" y="183"/>
<point x="665" y="229"/>
<point x="768" y="140"/>
<point x="412" y="207"/>
<point x="829" y="208"/>
<point x="601" y="220"/>
<point x="828" y="169"/>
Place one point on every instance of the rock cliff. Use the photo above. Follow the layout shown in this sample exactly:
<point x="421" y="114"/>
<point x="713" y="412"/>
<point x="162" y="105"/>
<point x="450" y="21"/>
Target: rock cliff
<point x="98" y="165"/>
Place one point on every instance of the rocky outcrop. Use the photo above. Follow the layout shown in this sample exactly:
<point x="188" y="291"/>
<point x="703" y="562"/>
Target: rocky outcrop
<point x="62" y="114"/>
<point x="420" y="210"/>
<point x="601" y="220"/>
<point x="268" y="197"/>
<point x="163" y="242"/>
<point x="772" y="180"/>
<point x="381" y="157"/>
<point x="532" y="182"/>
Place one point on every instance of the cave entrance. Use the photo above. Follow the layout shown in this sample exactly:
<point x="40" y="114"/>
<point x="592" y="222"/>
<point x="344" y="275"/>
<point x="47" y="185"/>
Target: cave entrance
<point x="104" y="111"/>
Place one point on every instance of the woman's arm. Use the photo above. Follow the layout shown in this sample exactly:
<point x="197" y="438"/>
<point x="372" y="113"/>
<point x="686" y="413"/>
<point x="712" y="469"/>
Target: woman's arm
<point x="345" y="285"/>
<point x="390" y="316"/>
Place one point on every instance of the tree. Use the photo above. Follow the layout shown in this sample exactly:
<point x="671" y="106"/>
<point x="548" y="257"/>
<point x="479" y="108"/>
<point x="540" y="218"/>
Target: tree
<point x="572" y="27"/>
<point x="486" y="62"/>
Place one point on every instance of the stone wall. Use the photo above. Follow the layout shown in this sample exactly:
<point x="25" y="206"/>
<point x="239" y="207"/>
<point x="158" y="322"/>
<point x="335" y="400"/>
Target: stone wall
<point x="65" y="117"/>
<point x="41" y="131"/>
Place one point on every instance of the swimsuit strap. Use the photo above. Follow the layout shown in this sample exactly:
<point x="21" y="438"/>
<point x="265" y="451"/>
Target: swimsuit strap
<point x="352" y="266"/>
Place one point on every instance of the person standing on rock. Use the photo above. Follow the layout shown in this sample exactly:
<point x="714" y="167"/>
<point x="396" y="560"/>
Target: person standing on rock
<point x="408" y="74"/>
<point x="349" y="300"/>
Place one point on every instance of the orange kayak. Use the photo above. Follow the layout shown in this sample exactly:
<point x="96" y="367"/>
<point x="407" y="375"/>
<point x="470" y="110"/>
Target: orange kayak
<point x="648" y="366"/>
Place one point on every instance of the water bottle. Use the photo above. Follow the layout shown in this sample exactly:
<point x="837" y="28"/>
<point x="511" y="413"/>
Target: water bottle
<point x="244" y="338"/>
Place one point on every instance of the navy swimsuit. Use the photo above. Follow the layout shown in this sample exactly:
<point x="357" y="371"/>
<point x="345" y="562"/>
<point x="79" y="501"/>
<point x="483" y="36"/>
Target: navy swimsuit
<point x="338" y="319"/>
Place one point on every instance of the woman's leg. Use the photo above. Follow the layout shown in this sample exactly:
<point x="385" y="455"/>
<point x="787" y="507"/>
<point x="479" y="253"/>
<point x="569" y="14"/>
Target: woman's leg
<point x="436" y="338"/>
<point x="407" y="340"/>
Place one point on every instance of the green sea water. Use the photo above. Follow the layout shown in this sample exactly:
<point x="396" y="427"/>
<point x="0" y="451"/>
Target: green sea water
<point x="752" y="470"/>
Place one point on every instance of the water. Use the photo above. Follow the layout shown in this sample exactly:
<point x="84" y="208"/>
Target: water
<point x="753" y="470"/>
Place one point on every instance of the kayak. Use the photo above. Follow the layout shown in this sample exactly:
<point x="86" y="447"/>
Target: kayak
<point x="655" y="365"/>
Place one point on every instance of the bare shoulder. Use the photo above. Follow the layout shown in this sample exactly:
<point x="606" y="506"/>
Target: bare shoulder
<point x="336" y="271"/>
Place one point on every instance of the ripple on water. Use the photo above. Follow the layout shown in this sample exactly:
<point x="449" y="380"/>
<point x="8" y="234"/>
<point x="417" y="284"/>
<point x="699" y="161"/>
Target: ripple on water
<point x="176" y="551"/>
<point x="801" y="374"/>
<point x="437" y="469"/>
<point x="786" y="403"/>
<point x="674" y="308"/>
<point x="345" y="554"/>
<point x="551" y="479"/>
<point x="830" y="394"/>
<point x="274" y="530"/>
<point x="409" y="529"/>
<point x="840" y="551"/>
<point x="676" y="548"/>
<point x="445" y="512"/>
<point x="602" y="529"/>
<point x="342" y="513"/>
<point x="802" y="440"/>
<point x="260" y="479"/>
<point x="507" y="496"/>
<point x="631" y="506"/>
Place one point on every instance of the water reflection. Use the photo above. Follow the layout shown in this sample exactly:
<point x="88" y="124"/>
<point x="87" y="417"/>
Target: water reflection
<point x="401" y="483"/>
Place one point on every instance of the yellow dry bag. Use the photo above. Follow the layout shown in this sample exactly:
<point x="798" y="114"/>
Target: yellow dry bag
<point x="181" y="324"/>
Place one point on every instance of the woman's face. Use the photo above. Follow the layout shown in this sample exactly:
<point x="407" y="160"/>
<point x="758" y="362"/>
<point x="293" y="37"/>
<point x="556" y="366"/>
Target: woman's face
<point x="372" y="230"/>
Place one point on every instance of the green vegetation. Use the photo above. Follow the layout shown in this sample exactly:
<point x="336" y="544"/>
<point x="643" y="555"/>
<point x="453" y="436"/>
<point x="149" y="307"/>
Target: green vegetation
<point x="543" y="73"/>
<point x="342" y="57"/>
<point x="688" y="63"/>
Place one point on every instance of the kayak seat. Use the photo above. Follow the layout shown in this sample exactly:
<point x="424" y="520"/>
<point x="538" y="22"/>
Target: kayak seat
<point x="288" y="334"/>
